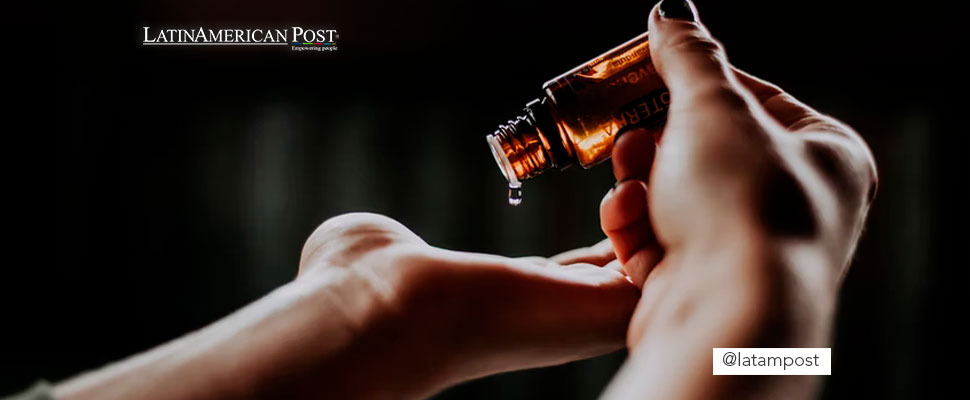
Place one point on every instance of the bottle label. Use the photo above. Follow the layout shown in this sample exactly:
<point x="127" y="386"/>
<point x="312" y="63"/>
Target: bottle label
<point x="648" y="111"/>
<point x="613" y="92"/>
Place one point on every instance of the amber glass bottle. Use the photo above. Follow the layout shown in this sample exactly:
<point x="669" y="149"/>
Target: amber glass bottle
<point x="581" y="113"/>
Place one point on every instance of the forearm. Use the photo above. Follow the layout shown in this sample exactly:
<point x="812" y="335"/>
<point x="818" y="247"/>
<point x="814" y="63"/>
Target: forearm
<point x="276" y="345"/>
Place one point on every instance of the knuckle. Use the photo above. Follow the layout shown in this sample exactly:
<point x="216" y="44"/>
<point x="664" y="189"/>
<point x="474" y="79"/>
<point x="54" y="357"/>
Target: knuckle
<point x="815" y="122"/>
<point x="780" y="98"/>
<point x="775" y="90"/>
<point x="848" y="169"/>
<point x="695" y="41"/>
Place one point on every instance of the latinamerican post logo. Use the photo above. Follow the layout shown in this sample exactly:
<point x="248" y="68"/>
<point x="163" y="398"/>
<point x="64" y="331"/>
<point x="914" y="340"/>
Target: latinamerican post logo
<point x="297" y="38"/>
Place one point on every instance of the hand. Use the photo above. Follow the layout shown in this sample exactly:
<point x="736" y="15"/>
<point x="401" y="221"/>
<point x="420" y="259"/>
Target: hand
<point x="377" y="312"/>
<point x="755" y="203"/>
<point x="442" y="316"/>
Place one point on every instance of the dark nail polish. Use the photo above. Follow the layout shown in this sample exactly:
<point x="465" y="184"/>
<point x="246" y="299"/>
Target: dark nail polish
<point x="676" y="9"/>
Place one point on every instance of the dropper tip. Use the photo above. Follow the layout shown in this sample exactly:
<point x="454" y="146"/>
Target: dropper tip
<point x="515" y="194"/>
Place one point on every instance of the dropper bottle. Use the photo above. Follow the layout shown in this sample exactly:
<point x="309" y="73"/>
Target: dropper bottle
<point x="580" y="115"/>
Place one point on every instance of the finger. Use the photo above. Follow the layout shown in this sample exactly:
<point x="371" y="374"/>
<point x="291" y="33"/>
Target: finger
<point x="693" y="64"/>
<point x="832" y="144"/>
<point x="642" y="263"/>
<point x="762" y="89"/>
<point x="790" y="113"/>
<point x="782" y="107"/>
<point x="633" y="154"/>
<point x="711" y="122"/>
<point x="598" y="254"/>
<point x="543" y="315"/>
<point x="588" y="306"/>
<point x="625" y="219"/>
<point x="616" y="266"/>
<point x="540" y="261"/>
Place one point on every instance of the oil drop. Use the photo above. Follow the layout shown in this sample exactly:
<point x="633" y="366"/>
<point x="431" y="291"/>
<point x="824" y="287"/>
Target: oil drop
<point x="515" y="194"/>
<point x="580" y="114"/>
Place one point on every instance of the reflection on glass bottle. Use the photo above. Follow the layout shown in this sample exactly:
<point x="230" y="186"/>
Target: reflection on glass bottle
<point x="581" y="113"/>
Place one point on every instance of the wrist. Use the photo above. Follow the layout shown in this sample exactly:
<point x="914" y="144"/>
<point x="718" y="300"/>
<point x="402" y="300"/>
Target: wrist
<point x="353" y="336"/>
<point x="392" y="341"/>
<point x="296" y="332"/>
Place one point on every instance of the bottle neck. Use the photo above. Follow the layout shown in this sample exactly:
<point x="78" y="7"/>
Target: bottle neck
<point x="530" y="144"/>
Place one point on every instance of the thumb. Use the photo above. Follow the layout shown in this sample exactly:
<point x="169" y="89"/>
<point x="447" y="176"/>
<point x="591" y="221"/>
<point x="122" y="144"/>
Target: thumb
<point x="714" y="124"/>
<point x="693" y="64"/>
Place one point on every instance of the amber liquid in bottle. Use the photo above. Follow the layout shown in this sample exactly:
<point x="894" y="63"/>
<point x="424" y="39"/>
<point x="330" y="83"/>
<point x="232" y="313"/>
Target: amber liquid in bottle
<point x="580" y="115"/>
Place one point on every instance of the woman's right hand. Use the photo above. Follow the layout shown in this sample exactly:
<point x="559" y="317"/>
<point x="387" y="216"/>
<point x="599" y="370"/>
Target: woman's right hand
<point x="754" y="206"/>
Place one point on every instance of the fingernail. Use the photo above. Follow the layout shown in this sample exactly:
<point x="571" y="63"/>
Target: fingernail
<point x="676" y="9"/>
<point x="618" y="183"/>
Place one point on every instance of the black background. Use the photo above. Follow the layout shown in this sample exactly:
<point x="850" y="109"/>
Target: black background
<point x="187" y="178"/>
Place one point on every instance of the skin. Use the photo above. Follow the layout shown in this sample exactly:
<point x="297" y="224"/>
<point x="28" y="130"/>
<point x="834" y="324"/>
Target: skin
<point x="378" y="313"/>
<point x="754" y="206"/>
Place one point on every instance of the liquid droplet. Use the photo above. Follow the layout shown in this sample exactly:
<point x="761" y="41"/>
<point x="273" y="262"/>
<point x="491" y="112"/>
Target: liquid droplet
<point x="515" y="194"/>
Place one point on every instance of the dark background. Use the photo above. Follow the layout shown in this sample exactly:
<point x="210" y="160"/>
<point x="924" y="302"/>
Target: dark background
<point x="187" y="178"/>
